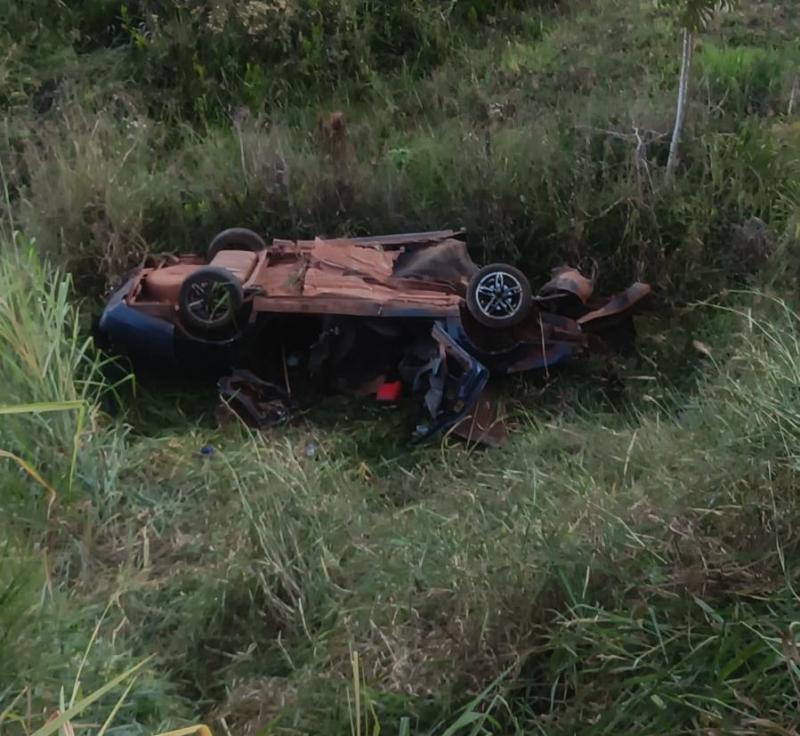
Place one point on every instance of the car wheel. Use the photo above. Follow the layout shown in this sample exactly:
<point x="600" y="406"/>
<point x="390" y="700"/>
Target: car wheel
<point x="236" y="238"/>
<point x="499" y="296"/>
<point x="210" y="300"/>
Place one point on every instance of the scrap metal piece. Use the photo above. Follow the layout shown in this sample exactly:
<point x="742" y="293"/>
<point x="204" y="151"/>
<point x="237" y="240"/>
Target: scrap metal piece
<point x="456" y="382"/>
<point x="447" y="261"/>
<point x="257" y="402"/>
<point x="483" y="424"/>
<point x="401" y="239"/>
<point x="567" y="280"/>
<point x="618" y="304"/>
<point x="538" y="357"/>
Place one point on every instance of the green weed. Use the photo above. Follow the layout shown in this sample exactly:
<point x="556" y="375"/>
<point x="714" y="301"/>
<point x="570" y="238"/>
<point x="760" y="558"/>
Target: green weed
<point x="744" y="80"/>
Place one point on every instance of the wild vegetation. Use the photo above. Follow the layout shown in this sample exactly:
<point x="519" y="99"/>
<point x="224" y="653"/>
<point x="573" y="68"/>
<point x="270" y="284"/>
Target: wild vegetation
<point x="626" y="565"/>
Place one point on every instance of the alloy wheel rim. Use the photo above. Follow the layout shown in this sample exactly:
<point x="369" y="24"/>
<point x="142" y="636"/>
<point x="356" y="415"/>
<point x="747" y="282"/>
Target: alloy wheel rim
<point x="499" y="295"/>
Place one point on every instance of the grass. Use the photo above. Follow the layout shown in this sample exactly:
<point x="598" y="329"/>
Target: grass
<point x="598" y="559"/>
<point x="624" y="565"/>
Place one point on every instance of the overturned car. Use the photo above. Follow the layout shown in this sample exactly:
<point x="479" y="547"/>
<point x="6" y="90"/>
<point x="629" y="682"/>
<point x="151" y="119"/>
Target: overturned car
<point x="285" y="322"/>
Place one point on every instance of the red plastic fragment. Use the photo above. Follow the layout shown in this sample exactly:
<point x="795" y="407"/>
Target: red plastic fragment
<point x="389" y="391"/>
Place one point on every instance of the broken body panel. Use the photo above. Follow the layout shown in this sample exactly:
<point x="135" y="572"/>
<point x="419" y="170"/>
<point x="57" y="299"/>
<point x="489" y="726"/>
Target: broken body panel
<point x="352" y="313"/>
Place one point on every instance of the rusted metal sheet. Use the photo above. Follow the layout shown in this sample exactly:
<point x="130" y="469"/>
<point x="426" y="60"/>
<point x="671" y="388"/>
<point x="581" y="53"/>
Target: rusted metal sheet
<point x="618" y="304"/>
<point x="484" y="423"/>
<point x="543" y="357"/>
<point x="396" y="240"/>
<point x="355" y="306"/>
<point x="342" y="256"/>
<point x="321" y="282"/>
<point x="566" y="280"/>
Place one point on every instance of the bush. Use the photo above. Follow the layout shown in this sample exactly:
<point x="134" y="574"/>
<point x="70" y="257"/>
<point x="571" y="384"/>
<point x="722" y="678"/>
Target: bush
<point x="264" y="53"/>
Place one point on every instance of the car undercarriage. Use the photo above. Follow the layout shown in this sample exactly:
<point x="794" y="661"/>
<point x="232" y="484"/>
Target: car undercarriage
<point x="385" y="316"/>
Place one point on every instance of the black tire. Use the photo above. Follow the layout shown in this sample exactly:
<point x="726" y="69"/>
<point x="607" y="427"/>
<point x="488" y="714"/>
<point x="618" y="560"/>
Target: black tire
<point x="499" y="296"/>
<point x="236" y="238"/>
<point x="210" y="301"/>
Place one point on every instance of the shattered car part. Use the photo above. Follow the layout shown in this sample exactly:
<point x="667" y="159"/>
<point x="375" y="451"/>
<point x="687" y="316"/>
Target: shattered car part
<point x="483" y="423"/>
<point x="299" y="319"/>
<point x="260" y="403"/>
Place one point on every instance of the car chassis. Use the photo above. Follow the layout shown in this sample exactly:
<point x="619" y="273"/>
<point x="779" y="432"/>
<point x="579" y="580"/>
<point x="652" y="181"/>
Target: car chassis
<point x="285" y="323"/>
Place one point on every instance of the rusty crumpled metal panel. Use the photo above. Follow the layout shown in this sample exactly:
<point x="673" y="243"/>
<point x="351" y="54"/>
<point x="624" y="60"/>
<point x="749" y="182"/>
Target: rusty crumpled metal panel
<point x="567" y="280"/>
<point x="484" y="423"/>
<point x="618" y="304"/>
<point x="350" y="277"/>
<point x="447" y="261"/>
<point x="397" y="240"/>
<point x="343" y="256"/>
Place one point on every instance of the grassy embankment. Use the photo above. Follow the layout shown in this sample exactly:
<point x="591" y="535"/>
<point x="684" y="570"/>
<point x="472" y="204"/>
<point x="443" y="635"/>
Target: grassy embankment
<point x="626" y="565"/>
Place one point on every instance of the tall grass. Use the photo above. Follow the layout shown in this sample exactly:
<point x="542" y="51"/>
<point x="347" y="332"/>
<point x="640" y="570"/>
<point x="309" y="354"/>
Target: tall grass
<point x="96" y="193"/>
<point x="48" y="417"/>
<point x="59" y="461"/>
<point x="51" y="377"/>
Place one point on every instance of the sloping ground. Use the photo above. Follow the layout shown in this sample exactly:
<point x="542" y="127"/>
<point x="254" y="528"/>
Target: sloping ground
<point x="626" y="565"/>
